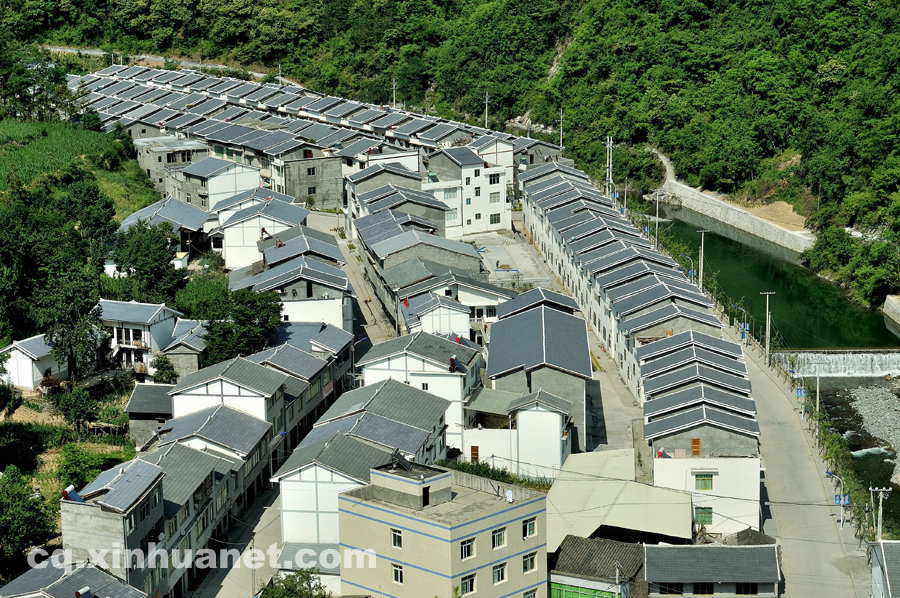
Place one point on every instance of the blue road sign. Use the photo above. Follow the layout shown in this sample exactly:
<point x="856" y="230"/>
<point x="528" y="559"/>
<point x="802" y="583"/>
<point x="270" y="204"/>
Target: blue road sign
<point x="846" y="500"/>
<point x="837" y="499"/>
<point x="615" y="195"/>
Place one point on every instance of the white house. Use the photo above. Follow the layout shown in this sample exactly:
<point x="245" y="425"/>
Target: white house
<point x="435" y="314"/>
<point x="137" y="331"/>
<point x="243" y="229"/>
<point x="227" y="208"/>
<point x="434" y="364"/>
<point x="527" y="435"/>
<point x="474" y="190"/>
<point x="29" y="361"/>
<point x="494" y="149"/>
<point x="211" y="180"/>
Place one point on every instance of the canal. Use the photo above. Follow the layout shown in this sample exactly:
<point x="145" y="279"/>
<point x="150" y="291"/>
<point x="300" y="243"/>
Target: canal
<point x="807" y="311"/>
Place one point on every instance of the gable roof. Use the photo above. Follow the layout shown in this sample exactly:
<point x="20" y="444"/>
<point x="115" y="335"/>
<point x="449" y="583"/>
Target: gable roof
<point x="35" y="347"/>
<point x="132" y="311"/>
<point x="692" y="354"/>
<point x="453" y="278"/>
<point x="599" y="558"/>
<point x="411" y="238"/>
<point x="274" y="209"/>
<point x="189" y="333"/>
<point x="695" y="372"/>
<point x="208" y="167"/>
<point x="535" y="297"/>
<point x="314" y="336"/>
<point x="462" y="156"/>
<point x="391" y="167"/>
<point x="426" y="303"/>
<point x="173" y="211"/>
<point x="664" y="314"/>
<point x="257" y="194"/>
<point x="238" y="370"/>
<point x="390" y="399"/>
<point x="338" y="452"/>
<point x="185" y="470"/>
<point x="691" y="418"/>
<point x="537" y="337"/>
<point x="683" y="339"/>
<point x="291" y="360"/>
<point x="120" y="487"/>
<point x="714" y="563"/>
<point x="64" y="581"/>
<point x="218" y="424"/>
<point x="421" y="344"/>
<point x="544" y="399"/>
<point x="284" y="273"/>
<point x="387" y="224"/>
<point x="150" y="399"/>
<point x="301" y="240"/>
<point x="699" y="394"/>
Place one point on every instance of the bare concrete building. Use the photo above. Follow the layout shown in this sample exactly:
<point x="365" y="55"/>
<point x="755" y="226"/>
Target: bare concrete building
<point x="158" y="155"/>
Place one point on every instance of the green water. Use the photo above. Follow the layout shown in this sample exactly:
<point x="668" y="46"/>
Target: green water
<point x="807" y="311"/>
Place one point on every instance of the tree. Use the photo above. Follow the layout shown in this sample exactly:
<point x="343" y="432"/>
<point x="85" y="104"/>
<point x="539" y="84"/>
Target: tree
<point x="144" y="252"/>
<point x="251" y="317"/>
<point x="78" y="407"/>
<point x="204" y="297"/>
<point x="165" y="371"/>
<point x="78" y="467"/>
<point x="302" y="584"/>
<point x="25" y="520"/>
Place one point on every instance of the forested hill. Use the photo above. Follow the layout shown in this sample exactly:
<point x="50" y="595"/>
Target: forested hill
<point x="772" y="99"/>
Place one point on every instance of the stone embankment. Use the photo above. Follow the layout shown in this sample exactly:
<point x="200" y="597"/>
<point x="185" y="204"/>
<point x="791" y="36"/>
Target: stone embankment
<point x="879" y="408"/>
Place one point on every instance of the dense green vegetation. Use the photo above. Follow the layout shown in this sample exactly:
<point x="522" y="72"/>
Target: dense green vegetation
<point x="727" y="89"/>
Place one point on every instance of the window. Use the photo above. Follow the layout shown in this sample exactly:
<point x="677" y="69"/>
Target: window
<point x="307" y="153"/>
<point x="159" y="158"/>
<point x="495" y="197"/>
<point x="349" y="161"/>
<point x="473" y="453"/>
<point x="477" y="216"/>
<point x="467" y="584"/>
<point x="452" y="215"/>
<point x="494" y="179"/>
<point x="530" y="594"/>
<point x="704" y="589"/>
<point x="310" y="190"/>
<point x="498" y="573"/>
<point x="703" y="481"/>
<point x="468" y="221"/>
<point x="671" y="589"/>
<point x="397" y="571"/>
<point x="495" y="218"/>
<point x="528" y="562"/>
<point x="468" y="181"/>
<point x="426" y="496"/>
<point x="467" y="549"/>
<point x="477" y="172"/>
<point x="746" y="589"/>
<point x="424" y="386"/>
<point x="396" y="538"/>
<point x="529" y="527"/>
<point x="498" y="538"/>
<point x="695" y="447"/>
<point x="450" y="194"/>
<point x="703" y="515"/>
<point x="477" y="191"/>
<point x="490" y="311"/>
<point x="468" y="201"/>
<point x="310" y="172"/>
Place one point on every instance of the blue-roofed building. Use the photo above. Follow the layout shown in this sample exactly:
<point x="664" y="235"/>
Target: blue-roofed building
<point x="29" y="361"/>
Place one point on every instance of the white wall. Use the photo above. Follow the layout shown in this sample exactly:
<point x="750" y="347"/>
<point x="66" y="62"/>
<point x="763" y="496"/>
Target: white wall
<point x="231" y="182"/>
<point x="21" y="371"/>
<point x="734" y="497"/>
<point x="330" y="311"/>
<point x="408" y="159"/>
<point x="239" y="244"/>
<point x="219" y="392"/>
<point x="534" y="449"/>
<point x="309" y="504"/>
<point x="443" y="320"/>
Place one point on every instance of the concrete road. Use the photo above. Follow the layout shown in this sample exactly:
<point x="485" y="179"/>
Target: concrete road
<point x="819" y="559"/>
<point x="262" y="523"/>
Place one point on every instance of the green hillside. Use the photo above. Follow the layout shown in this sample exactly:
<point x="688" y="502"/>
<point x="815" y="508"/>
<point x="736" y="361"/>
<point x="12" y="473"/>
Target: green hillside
<point x="724" y="88"/>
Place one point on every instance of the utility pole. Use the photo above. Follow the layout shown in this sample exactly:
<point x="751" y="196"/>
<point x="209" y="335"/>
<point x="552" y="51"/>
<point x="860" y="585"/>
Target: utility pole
<point x="486" y="96"/>
<point x="625" y="208"/>
<point x="702" y="244"/>
<point x="881" y="492"/>
<point x="560" y="129"/>
<point x="768" y="322"/>
<point x="656" y="196"/>
<point x="608" y="184"/>
<point x="394" y="90"/>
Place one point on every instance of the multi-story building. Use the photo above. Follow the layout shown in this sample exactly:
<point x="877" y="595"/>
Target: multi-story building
<point x="209" y="181"/>
<point x="52" y="581"/>
<point x="158" y="155"/>
<point x="473" y="190"/>
<point x="245" y="228"/>
<point x="137" y="331"/>
<point x="435" y="532"/>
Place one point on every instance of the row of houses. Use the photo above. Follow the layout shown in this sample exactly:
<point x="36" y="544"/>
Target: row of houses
<point x="308" y="147"/>
<point x="661" y="331"/>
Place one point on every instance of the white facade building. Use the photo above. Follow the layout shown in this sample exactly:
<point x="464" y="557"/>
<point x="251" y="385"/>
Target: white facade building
<point x="29" y="361"/>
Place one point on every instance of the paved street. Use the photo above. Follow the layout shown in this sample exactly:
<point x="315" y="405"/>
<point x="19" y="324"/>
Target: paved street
<point x="242" y="582"/>
<point x="818" y="559"/>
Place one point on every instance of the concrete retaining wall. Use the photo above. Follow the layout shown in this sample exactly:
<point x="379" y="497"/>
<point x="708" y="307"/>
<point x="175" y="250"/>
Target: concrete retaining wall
<point x="840" y="364"/>
<point x="738" y="218"/>
<point x="891" y="310"/>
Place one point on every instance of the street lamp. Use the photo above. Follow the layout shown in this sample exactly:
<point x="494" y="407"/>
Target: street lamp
<point x="702" y="243"/>
<point x="831" y="474"/>
<point x="768" y="322"/>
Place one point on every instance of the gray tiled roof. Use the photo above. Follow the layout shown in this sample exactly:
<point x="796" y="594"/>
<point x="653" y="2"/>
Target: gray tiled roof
<point x="274" y="209"/>
<point x="173" y="211"/>
<point x="35" y="347"/>
<point x="313" y="336"/>
<point x="714" y="563"/>
<point x="421" y="344"/>
<point x="692" y="354"/>
<point x="220" y="425"/>
<point x="207" y="167"/>
<point x="462" y="156"/>
<point x="426" y="303"/>
<point x="690" y="418"/>
<point x="539" y="337"/>
<point x="535" y="297"/>
<point x="188" y="333"/>
<point x="391" y="167"/>
<point x="411" y="238"/>
<point x="240" y="371"/>
<point x="150" y="399"/>
<point x="120" y="487"/>
<point x="280" y="248"/>
<point x="393" y="400"/>
<point x="544" y="399"/>
<point x="62" y="582"/>
<point x="397" y="196"/>
<point x="341" y="453"/>
<point x="696" y="394"/>
<point x="257" y="193"/>
<point x="412" y="271"/>
<point x="664" y="314"/>
<point x="131" y="311"/>
<point x="549" y="168"/>
<point x="285" y="273"/>
<point x="692" y="373"/>
<point x="599" y="558"/>
<point x="291" y="360"/>
<point x="386" y="224"/>
<point x="453" y="278"/>
<point x="186" y="469"/>
<point x="683" y="339"/>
